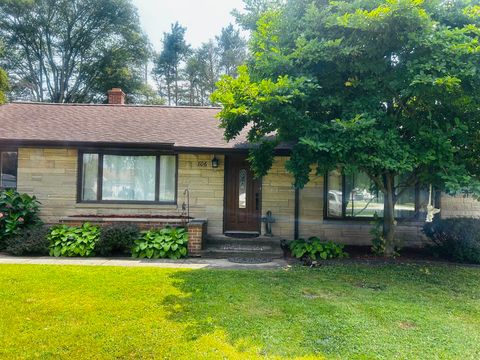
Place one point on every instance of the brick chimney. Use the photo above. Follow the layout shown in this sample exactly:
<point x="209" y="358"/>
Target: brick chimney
<point x="116" y="96"/>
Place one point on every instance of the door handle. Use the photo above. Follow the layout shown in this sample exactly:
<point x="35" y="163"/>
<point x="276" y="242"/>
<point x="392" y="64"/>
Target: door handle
<point x="257" y="201"/>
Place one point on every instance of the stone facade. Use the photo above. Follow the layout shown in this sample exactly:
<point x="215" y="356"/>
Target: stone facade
<point x="278" y="196"/>
<point x="460" y="206"/>
<point x="51" y="175"/>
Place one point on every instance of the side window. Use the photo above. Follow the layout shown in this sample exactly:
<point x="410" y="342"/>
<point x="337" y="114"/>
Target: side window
<point x="8" y="169"/>
<point x="355" y="196"/>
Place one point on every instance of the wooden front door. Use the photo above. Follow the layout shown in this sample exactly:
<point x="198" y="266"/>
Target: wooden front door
<point x="242" y="196"/>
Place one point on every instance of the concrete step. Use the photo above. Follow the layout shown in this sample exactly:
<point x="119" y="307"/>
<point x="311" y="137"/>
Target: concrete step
<point x="225" y="254"/>
<point x="221" y="246"/>
<point x="258" y="241"/>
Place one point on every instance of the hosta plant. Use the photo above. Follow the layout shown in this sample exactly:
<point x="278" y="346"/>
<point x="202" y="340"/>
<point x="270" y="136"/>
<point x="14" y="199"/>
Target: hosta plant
<point x="164" y="243"/>
<point x="316" y="249"/>
<point x="73" y="240"/>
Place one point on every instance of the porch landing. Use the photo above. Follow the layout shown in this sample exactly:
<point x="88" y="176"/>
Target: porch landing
<point x="224" y="247"/>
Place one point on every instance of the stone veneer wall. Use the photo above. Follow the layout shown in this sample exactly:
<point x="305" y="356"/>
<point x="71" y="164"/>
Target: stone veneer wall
<point x="278" y="196"/>
<point x="459" y="206"/>
<point x="51" y="175"/>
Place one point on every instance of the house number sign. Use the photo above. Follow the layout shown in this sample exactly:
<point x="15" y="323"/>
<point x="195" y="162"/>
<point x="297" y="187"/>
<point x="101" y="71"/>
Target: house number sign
<point x="202" y="164"/>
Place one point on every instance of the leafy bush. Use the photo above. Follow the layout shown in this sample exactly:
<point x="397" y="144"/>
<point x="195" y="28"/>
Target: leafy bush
<point x="30" y="241"/>
<point x="118" y="238"/>
<point x="315" y="249"/>
<point x="73" y="240"/>
<point x="456" y="239"/>
<point x="17" y="211"/>
<point x="165" y="243"/>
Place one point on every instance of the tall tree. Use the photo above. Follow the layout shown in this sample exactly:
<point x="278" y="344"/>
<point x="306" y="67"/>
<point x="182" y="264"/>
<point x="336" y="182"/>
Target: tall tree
<point x="232" y="49"/>
<point x="387" y="87"/>
<point x="3" y="86"/>
<point x="252" y="12"/>
<point x="210" y="65"/>
<point x="193" y="73"/>
<point x="168" y="63"/>
<point x="72" y="50"/>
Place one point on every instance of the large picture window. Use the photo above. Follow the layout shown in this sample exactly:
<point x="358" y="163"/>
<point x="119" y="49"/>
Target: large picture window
<point x="112" y="177"/>
<point x="8" y="169"/>
<point x="355" y="196"/>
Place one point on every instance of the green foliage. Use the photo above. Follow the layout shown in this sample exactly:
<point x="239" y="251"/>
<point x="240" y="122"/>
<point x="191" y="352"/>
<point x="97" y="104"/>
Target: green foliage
<point x="30" y="241"/>
<point x="231" y="49"/>
<point x="73" y="240"/>
<point x="4" y="86"/>
<point x="118" y="238"/>
<point x="17" y="212"/>
<point x="164" y="243"/>
<point x="342" y="311"/>
<point x="316" y="249"/>
<point x="187" y="76"/>
<point x="378" y="240"/>
<point x="72" y="51"/>
<point x="456" y="239"/>
<point x="167" y="63"/>
<point x="389" y="88"/>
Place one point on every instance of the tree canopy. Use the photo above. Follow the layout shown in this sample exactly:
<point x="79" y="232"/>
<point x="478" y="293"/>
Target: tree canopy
<point x="386" y="87"/>
<point x="186" y="75"/>
<point x="3" y="86"/>
<point x="72" y="50"/>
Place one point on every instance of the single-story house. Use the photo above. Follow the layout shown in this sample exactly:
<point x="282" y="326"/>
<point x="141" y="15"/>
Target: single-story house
<point x="161" y="163"/>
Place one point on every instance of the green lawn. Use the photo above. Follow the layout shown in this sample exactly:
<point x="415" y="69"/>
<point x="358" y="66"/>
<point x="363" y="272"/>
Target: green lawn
<point x="341" y="311"/>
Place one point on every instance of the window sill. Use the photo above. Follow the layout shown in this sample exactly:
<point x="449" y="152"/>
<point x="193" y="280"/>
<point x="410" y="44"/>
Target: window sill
<point x="363" y="222"/>
<point x="96" y="205"/>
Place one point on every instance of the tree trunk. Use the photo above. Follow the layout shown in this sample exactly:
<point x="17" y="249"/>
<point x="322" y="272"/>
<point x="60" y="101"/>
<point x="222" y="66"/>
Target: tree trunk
<point x="389" y="223"/>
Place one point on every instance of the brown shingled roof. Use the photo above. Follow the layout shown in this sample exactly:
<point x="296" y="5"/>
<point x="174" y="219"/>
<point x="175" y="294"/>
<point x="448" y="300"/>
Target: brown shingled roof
<point x="183" y="127"/>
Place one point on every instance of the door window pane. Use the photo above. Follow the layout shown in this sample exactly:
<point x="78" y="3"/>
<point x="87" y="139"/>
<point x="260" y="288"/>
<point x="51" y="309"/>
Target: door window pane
<point x="130" y="178"/>
<point x="242" y="189"/>
<point x="90" y="177"/>
<point x="8" y="169"/>
<point x="167" y="178"/>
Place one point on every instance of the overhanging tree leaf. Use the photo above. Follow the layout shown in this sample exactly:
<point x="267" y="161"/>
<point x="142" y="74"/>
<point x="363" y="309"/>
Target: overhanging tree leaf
<point x="389" y="88"/>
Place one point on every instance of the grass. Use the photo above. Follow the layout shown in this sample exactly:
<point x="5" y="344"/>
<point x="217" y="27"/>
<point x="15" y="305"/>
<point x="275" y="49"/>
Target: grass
<point x="338" y="311"/>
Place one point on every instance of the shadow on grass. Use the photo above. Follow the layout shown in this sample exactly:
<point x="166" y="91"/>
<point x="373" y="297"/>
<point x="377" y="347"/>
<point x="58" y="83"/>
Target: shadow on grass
<point x="345" y="311"/>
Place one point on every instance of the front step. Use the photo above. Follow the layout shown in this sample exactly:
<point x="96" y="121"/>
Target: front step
<point x="221" y="246"/>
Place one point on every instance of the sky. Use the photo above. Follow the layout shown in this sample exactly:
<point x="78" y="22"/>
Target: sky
<point x="203" y="18"/>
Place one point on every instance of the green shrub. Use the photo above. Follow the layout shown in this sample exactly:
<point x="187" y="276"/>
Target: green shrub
<point x="165" y="243"/>
<point x="118" y="238"/>
<point x="316" y="249"/>
<point x="456" y="239"/>
<point x="30" y="241"/>
<point x="17" y="212"/>
<point x="73" y="240"/>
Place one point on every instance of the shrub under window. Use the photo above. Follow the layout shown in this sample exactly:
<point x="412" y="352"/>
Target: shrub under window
<point x="456" y="239"/>
<point x="117" y="239"/>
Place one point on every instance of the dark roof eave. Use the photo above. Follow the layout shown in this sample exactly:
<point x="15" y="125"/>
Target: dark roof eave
<point x="83" y="144"/>
<point x="13" y="143"/>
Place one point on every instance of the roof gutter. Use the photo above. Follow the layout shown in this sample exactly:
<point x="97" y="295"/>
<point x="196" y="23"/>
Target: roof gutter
<point x="129" y="145"/>
<point x="85" y="144"/>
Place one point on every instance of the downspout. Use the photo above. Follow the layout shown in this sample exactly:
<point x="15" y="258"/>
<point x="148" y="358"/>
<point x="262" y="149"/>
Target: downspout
<point x="297" y="214"/>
